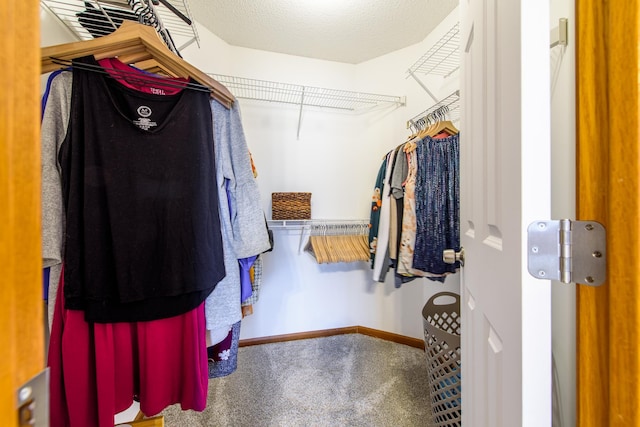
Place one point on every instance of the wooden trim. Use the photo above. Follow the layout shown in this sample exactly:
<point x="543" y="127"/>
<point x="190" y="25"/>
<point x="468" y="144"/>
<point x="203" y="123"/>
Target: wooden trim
<point x="591" y="184"/>
<point x="298" y="336"/>
<point x="623" y="212"/>
<point x="608" y="317"/>
<point x="388" y="336"/>
<point x="400" y="339"/>
<point x="21" y="332"/>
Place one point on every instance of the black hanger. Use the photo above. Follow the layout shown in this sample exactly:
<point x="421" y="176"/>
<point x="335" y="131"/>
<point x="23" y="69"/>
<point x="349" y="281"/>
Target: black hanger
<point x="132" y="76"/>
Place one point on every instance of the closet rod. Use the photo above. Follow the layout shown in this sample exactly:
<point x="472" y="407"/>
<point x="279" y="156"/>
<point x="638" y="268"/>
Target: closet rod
<point x="451" y="103"/>
<point x="305" y="225"/>
<point x="294" y="224"/>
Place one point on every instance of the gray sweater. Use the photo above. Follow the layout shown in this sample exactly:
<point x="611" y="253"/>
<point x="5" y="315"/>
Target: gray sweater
<point x="244" y="231"/>
<point x="53" y="131"/>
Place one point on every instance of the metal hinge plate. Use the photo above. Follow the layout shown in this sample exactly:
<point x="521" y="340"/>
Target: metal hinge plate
<point x="32" y="401"/>
<point x="568" y="251"/>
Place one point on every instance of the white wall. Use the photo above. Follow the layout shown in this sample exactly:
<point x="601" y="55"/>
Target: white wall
<point x="336" y="158"/>
<point x="563" y="139"/>
<point x="52" y="32"/>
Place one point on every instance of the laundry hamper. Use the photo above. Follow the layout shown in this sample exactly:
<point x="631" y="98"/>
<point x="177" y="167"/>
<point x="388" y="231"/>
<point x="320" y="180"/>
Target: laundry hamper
<point x="441" y="318"/>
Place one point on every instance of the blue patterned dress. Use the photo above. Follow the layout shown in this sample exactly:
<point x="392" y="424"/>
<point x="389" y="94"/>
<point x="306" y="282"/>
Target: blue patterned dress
<point x="437" y="204"/>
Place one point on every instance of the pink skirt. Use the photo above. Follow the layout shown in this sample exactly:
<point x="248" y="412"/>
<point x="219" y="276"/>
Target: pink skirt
<point x="97" y="370"/>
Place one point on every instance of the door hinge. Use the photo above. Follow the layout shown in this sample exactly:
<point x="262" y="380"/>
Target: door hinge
<point x="568" y="251"/>
<point x="33" y="401"/>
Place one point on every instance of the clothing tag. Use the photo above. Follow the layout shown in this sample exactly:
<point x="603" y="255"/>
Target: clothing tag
<point x="157" y="91"/>
<point x="143" y="122"/>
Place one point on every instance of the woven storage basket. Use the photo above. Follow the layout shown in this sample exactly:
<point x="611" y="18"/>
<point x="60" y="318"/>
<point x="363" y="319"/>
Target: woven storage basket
<point x="290" y="205"/>
<point x="442" y="345"/>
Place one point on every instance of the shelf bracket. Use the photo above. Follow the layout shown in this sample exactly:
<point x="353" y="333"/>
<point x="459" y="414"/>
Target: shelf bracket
<point x="188" y="43"/>
<point x="300" y="243"/>
<point x="412" y="74"/>
<point x="300" y="113"/>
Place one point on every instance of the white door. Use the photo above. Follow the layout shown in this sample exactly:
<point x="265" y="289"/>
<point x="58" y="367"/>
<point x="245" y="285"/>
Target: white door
<point x="505" y="185"/>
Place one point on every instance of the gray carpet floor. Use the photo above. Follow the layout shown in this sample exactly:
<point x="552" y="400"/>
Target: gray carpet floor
<point x="343" y="380"/>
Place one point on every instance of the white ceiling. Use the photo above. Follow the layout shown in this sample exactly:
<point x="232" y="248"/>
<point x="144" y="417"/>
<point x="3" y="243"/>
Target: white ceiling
<point x="350" y="31"/>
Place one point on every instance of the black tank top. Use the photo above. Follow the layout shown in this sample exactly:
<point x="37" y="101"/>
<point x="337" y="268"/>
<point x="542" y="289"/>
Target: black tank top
<point x="143" y="238"/>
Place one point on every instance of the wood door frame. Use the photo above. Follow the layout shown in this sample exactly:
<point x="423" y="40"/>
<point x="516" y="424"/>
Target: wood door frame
<point x="607" y="190"/>
<point x="607" y="156"/>
<point x="21" y="331"/>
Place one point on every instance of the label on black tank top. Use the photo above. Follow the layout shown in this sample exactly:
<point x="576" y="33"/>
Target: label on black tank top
<point x="143" y="121"/>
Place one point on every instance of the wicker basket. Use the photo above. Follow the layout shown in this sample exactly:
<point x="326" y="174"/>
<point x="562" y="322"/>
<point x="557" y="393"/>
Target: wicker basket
<point x="290" y="205"/>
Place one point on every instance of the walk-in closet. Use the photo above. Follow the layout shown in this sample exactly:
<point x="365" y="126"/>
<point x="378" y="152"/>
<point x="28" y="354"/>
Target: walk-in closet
<point x="356" y="172"/>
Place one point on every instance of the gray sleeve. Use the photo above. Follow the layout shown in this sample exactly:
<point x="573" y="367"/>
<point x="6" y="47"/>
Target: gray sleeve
<point x="241" y="218"/>
<point x="248" y="224"/>
<point x="54" y="129"/>
<point x="400" y="171"/>
<point x="222" y="307"/>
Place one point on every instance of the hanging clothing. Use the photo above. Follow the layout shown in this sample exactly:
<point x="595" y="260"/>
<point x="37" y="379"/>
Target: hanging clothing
<point x="143" y="238"/>
<point x="423" y="181"/>
<point x="255" y="275"/>
<point x="405" y="266"/>
<point x="97" y="369"/>
<point x="381" y="263"/>
<point x="256" y="282"/>
<point x="223" y="356"/>
<point x="77" y="337"/>
<point x="376" y="204"/>
<point x="399" y="174"/>
<point x="244" y="229"/>
<point x="245" y="277"/>
<point x="55" y="119"/>
<point x="243" y="226"/>
<point x="393" y="229"/>
<point x="116" y="362"/>
<point x="51" y="266"/>
<point x="437" y="204"/>
<point x="235" y="174"/>
<point x="398" y="177"/>
<point x="408" y="234"/>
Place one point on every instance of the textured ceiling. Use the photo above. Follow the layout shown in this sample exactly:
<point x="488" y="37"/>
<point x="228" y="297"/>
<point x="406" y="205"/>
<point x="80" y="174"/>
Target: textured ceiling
<point x="348" y="31"/>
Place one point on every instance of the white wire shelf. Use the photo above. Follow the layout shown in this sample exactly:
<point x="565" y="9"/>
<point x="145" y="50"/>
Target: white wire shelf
<point x="287" y="93"/>
<point x="448" y="107"/>
<point x="303" y="96"/>
<point x="300" y="224"/>
<point x="89" y="18"/>
<point x="443" y="58"/>
<point x="325" y="226"/>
